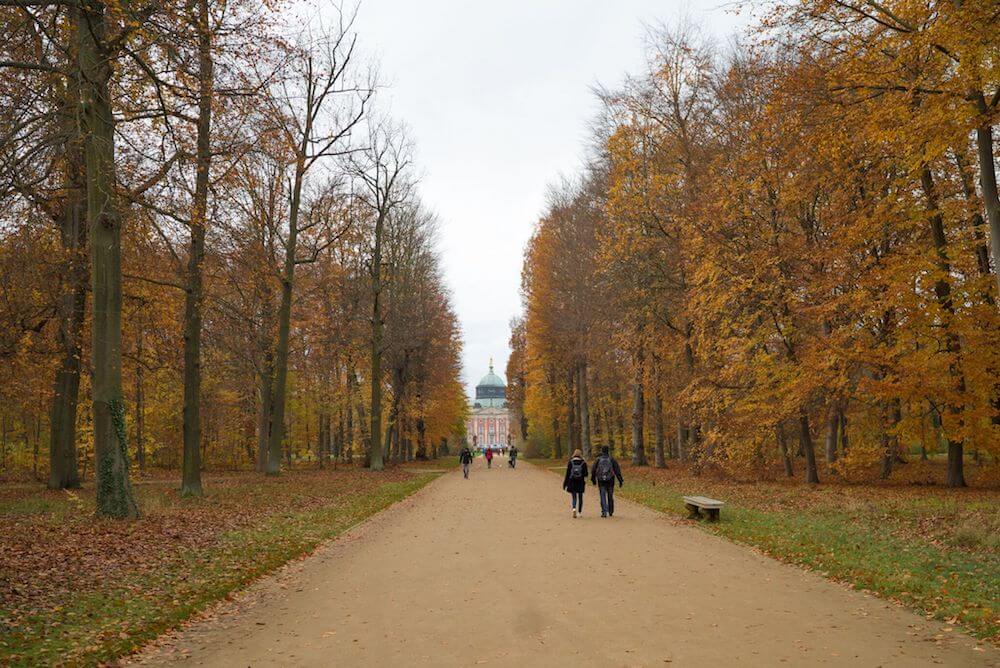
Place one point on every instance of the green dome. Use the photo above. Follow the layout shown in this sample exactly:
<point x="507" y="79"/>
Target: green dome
<point x="491" y="390"/>
<point x="491" y="380"/>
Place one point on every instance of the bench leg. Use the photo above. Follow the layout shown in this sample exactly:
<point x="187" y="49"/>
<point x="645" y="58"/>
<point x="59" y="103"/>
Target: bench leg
<point x="713" y="514"/>
<point x="693" y="512"/>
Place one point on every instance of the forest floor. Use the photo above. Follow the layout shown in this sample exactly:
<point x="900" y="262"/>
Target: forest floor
<point x="933" y="549"/>
<point x="494" y="570"/>
<point x="75" y="589"/>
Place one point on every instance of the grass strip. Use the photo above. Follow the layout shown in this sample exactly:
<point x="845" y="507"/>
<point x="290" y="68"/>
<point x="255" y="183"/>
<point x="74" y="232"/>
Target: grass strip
<point x="103" y="624"/>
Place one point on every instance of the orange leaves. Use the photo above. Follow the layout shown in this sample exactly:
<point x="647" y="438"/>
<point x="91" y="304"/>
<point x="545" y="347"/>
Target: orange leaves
<point x="769" y="234"/>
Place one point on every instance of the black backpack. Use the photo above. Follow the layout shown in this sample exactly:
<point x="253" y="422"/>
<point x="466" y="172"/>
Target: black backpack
<point x="604" y="470"/>
<point x="576" y="469"/>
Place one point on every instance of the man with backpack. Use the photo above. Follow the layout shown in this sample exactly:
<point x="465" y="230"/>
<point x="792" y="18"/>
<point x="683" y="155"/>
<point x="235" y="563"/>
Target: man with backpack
<point x="605" y="471"/>
<point x="465" y="457"/>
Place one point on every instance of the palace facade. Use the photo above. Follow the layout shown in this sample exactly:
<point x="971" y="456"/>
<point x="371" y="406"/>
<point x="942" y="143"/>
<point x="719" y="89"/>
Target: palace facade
<point x="489" y="423"/>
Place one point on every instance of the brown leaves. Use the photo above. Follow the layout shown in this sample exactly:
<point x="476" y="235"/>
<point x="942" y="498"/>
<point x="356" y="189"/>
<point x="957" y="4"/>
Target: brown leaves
<point x="48" y="557"/>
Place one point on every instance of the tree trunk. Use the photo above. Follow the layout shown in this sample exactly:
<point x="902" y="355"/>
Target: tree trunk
<point x="806" y="445"/>
<point x="263" y="413"/>
<point x="557" y="444"/>
<point x="843" y="431"/>
<point x="63" y="468"/>
<point x="584" y="410"/>
<point x="376" y="463"/>
<point x="287" y="442"/>
<point x="366" y="438"/>
<point x="572" y="433"/>
<point x="321" y="445"/>
<point x="140" y="408"/>
<point x="638" y="414"/>
<point x="392" y="436"/>
<point x="786" y="457"/>
<point x="421" y="443"/>
<point x="609" y="426"/>
<point x="942" y="290"/>
<point x="988" y="183"/>
<point x="660" y="460"/>
<point x="976" y="222"/>
<point x="621" y="430"/>
<point x="890" y="442"/>
<point x="194" y="293"/>
<point x="114" y="490"/>
<point x="279" y="389"/>
<point x="832" y="424"/>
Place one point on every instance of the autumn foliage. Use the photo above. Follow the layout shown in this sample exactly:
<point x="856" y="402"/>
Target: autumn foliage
<point x="784" y="253"/>
<point x="243" y="313"/>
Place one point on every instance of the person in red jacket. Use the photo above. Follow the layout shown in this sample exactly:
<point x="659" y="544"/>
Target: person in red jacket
<point x="489" y="457"/>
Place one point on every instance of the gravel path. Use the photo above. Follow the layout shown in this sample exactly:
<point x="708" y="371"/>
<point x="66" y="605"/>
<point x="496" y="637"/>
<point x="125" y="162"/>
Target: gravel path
<point x="494" y="570"/>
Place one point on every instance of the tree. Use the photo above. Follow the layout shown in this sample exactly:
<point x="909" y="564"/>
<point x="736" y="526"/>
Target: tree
<point x="380" y="170"/>
<point x="316" y="107"/>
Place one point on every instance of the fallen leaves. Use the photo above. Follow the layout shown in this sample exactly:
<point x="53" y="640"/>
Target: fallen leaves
<point x="61" y="556"/>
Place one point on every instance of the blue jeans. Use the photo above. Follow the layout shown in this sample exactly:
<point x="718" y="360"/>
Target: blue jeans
<point x="576" y="501"/>
<point x="607" y="497"/>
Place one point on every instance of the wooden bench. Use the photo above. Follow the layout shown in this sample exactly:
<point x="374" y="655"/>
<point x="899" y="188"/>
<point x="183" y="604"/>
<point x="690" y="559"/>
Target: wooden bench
<point x="695" y="504"/>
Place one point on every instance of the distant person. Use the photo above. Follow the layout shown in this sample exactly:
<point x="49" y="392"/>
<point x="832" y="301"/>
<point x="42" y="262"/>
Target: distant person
<point x="512" y="456"/>
<point x="489" y="457"/>
<point x="606" y="469"/>
<point x="575" y="482"/>
<point x="465" y="457"/>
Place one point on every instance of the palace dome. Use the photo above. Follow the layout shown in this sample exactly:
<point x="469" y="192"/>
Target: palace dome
<point x="491" y="390"/>
<point x="491" y="380"/>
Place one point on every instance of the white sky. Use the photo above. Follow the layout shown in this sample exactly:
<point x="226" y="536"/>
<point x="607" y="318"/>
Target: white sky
<point x="497" y="99"/>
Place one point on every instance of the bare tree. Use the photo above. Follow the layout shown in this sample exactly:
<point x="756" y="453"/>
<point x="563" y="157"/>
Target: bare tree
<point x="316" y="104"/>
<point x="380" y="170"/>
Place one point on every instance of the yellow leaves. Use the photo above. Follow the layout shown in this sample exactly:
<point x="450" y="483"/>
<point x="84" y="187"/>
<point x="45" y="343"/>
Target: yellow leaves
<point x="782" y="264"/>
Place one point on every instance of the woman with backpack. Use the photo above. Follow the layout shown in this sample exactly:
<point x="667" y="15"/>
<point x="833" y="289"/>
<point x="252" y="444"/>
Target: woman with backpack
<point x="575" y="482"/>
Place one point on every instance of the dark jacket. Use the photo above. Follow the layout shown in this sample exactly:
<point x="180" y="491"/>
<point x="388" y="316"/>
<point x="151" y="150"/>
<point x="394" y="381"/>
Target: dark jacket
<point x="614" y="467"/>
<point x="575" y="485"/>
<point x="465" y="456"/>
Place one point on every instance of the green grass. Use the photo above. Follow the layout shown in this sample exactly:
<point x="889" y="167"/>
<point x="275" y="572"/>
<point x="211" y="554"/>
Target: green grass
<point x="103" y="623"/>
<point x="916" y="549"/>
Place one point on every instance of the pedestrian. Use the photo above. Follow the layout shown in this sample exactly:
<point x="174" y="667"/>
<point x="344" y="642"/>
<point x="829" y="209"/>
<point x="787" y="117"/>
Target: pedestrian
<point x="606" y="469"/>
<point x="512" y="454"/>
<point x="489" y="457"/>
<point x="465" y="457"/>
<point x="575" y="482"/>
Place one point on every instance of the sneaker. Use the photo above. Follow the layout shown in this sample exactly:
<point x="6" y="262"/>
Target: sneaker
<point x="574" y="512"/>
<point x="604" y="514"/>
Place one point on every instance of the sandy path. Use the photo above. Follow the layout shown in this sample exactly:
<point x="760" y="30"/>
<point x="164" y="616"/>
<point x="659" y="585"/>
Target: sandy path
<point x="493" y="570"/>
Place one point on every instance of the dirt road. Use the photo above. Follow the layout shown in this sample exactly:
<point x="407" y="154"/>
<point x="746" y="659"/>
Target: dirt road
<point x="494" y="570"/>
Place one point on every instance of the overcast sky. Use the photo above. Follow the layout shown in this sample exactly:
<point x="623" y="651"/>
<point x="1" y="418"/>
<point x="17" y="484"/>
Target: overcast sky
<point x="497" y="97"/>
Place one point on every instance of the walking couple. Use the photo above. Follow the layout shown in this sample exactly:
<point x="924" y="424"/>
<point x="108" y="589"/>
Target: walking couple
<point x="604" y="473"/>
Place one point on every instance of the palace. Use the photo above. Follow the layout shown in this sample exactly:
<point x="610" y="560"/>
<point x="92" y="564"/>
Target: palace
<point x="488" y="423"/>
